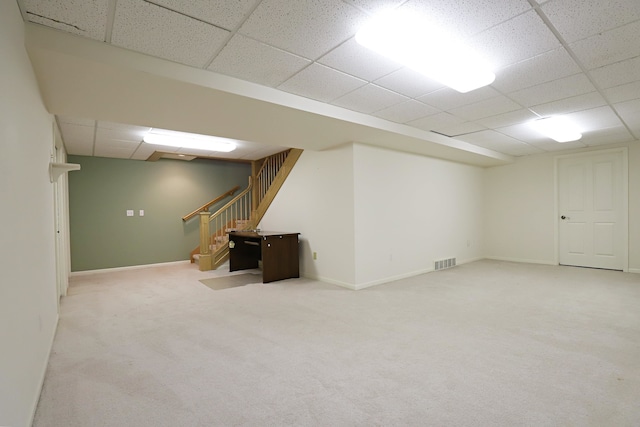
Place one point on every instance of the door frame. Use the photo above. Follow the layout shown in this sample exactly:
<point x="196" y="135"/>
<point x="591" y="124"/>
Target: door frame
<point x="625" y="199"/>
<point x="61" y="218"/>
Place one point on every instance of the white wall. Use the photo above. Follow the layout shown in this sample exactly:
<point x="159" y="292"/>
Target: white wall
<point x="634" y="208"/>
<point x="374" y="215"/>
<point x="28" y="302"/>
<point x="520" y="209"/>
<point x="411" y="210"/>
<point x="317" y="201"/>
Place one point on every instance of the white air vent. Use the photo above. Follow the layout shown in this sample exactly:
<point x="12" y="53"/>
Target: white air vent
<point x="445" y="263"/>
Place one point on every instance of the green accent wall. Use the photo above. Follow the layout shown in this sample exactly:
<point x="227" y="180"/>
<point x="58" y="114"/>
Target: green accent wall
<point x="103" y="236"/>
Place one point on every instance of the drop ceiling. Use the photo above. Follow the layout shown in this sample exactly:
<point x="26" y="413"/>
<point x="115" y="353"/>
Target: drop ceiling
<point x="282" y="73"/>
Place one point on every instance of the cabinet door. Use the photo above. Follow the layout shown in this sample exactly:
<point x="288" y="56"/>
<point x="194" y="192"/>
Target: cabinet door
<point x="243" y="253"/>
<point x="280" y="258"/>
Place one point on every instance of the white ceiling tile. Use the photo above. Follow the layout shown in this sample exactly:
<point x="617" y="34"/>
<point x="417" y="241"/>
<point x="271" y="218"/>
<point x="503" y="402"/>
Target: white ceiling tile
<point x="629" y="108"/>
<point x="133" y="129"/>
<point x="257" y="62"/>
<point x="86" y="18"/>
<point x="154" y="30"/>
<point x="114" y="152"/>
<point x="459" y="129"/>
<point x="76" y="121"/>
<point x="79" y="151"/>
<point x="406" y="111"/>
<point x="486" y="108"/>
<point x="408" y="82"/>
<point x="524" y="132"/>
<point x="625" y="92"/>
<point x="375" y="6"/>
<point x="507" y="119"/>
<point x="321" y="83"/>
<point x="609" y="47"/>
<point x="595" y="118"/>
<point x="578" y="19"/>
<point x="566" y="87"/>
<point x="548" y="66"/>
<point x="79" y="148"/>
<point x="569" y="105"/>
<point x="617" y="74"/>
<point x="77" y="136"/>
<point x="466" y="17"/>
<point x="143" y="152"/>
<point x="119" y="138"/>
<point x="352" y="58"/>
<point x="369" y="98"/>
<point x="607" y="136"/>
<point x="519" y="38"/>
<point x="436" y="120"/>
<point x="499" y="142"/>
<point x="308" y="28"/>
<point x="447" y="98"/>
<point x="116" y="143"/>
<point x="630" y="113"/>
<point x="225" y="14"/>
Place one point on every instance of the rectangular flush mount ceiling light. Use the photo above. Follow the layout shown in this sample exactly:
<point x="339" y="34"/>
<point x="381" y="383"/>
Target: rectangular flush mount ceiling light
<point x="189" y="140"/>
<point x="404" y="38"/>
<point x="557" y="128"/>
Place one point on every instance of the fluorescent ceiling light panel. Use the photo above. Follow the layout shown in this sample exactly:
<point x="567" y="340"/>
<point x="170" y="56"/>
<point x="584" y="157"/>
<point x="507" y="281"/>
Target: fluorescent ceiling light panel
<point x="191" y="141"/>
<point x="558" y="128"/>
<point x="402" y="37"/>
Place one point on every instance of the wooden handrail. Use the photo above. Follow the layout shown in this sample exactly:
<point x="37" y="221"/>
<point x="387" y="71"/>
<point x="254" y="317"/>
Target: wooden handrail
<point x="232" y="201"/>
<point x="207" y="205"/>
<point x="264" y="163"/>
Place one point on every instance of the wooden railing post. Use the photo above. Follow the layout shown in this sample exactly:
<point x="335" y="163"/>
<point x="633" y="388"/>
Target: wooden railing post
<point x="205" y="240"/>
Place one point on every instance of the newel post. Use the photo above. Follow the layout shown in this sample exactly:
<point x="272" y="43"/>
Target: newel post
<point x="205" y="239"/>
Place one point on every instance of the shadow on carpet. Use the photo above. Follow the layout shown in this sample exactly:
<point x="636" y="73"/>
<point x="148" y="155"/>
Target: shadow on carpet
<point x="226" y="282"/>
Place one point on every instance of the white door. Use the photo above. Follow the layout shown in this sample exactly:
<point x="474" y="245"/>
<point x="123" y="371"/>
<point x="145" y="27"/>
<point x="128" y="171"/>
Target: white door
<point x="592" y="220"/>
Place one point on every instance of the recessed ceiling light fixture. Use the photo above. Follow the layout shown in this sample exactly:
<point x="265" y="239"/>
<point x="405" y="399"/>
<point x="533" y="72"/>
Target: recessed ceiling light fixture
<point x="402" y="37"/>
<point x="558" y="128"/>
<point x="192" y="141"/>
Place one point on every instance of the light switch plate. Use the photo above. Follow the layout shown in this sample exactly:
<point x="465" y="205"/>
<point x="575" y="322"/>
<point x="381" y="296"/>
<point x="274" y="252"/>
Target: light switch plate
<point x="129" y="212"/>
<point x="141" y="212"/>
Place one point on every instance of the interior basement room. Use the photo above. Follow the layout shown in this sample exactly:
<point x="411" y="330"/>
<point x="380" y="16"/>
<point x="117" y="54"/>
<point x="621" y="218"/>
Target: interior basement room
<point x="320" y="213"/>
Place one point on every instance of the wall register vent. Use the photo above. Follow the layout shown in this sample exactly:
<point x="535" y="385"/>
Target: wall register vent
<point x="445" y="263"/>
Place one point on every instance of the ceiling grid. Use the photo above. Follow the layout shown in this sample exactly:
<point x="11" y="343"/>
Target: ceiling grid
<point x="579" y="58"/>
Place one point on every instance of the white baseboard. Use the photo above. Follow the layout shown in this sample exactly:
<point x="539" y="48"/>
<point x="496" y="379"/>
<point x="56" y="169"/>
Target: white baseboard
<point x="634" y="270"/>
<point x="522" y="260"/>
<point x="330" y="281"/>
<point x="357" y="287"/>
<point x="392" y="278"/>
<point x="132" y="267"/>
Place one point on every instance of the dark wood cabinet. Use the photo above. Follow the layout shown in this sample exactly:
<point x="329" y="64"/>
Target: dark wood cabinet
<point x="277" y="251"/>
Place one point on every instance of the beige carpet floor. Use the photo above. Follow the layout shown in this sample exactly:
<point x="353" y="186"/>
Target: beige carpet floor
<point x="483" y="344"/>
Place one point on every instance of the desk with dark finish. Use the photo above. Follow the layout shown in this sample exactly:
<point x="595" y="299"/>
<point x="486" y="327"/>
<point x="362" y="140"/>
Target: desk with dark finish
<point x="278" y="252"/>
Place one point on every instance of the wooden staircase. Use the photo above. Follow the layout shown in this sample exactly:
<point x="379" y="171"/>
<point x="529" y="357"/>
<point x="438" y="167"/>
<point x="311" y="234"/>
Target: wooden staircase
<point x="243" y="212"/>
